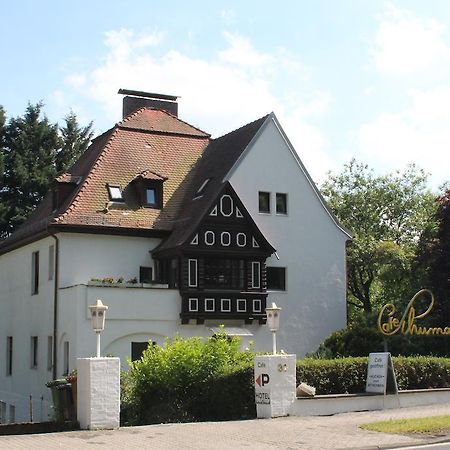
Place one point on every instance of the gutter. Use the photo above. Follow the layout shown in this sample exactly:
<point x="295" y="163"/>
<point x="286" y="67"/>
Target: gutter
<point x="55" y="308"/>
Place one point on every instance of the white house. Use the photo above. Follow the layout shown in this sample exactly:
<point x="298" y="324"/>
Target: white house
<point x="177" y="233"/>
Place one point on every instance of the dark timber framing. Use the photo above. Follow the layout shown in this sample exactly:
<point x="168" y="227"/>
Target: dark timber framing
<point x="220" y="269"/>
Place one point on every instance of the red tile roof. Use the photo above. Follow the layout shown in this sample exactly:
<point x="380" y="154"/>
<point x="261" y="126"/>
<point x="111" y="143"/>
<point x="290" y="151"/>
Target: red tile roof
<point x="149" y="143"/>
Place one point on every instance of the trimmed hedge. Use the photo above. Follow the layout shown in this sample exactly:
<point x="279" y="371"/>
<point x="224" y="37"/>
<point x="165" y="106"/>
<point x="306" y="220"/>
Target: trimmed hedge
<point x="196" y="380"/>
<point x="348" y="375"/>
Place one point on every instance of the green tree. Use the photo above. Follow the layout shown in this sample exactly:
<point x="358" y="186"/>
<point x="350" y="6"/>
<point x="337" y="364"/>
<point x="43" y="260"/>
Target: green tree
<point x="75" y="141"/>
<point x="32" y="152"/>
<point x="433" y="259"/>
<point x="31" y="143"/>
<point x="386" y="215"/>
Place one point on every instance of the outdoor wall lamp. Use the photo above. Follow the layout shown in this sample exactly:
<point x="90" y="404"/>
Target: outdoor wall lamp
<point x="98" y="313"/>
<point x="273" y="322"/>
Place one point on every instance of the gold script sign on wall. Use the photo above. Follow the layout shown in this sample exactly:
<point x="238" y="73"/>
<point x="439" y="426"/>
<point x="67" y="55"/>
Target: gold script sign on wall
<point x="389" y="323"/>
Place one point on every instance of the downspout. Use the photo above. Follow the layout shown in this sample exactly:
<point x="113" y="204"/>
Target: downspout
<point x="55" y="309"/>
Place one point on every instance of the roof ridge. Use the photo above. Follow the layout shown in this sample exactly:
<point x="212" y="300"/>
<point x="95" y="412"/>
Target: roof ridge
<point x="240" y="128"/>
<point x="143" y="108"/>
<point x="181" y="120"/>
<point x="82" y="186"/>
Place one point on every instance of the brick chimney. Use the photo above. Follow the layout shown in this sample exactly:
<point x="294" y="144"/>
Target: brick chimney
<point x="134" y="100"/>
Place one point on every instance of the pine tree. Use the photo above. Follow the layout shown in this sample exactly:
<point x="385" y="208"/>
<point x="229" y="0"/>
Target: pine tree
<point x="31" y="143"/>
<point x="75" y="141"/>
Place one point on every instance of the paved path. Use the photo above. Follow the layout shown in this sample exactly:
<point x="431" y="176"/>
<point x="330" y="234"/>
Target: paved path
<point x="317" y="433"/>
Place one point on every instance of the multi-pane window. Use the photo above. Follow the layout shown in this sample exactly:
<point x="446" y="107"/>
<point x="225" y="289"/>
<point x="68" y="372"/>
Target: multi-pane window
<point x="224" y="274"/>
<point x="34" y="273"/>
<point x="34" y="352"/>
<point x="276" y="278"/>
<point x="281" y="203"/>
<point x="256" y="274"/>
<point x="9" y="355"/>
<point x="264" y="202"/>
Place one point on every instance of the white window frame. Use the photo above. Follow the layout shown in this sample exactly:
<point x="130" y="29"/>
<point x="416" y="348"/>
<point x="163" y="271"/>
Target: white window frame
<point x="213" y="303"/>
<point x="223" y="301"/>
<point x="115" y="193"/>
<point x="195" y="240"/>
<point x="239" y="302"/>
<point x="245" y="240"/>
<point x="257" y="301"/>
<point x="192" y="302"/>
<point x="225" y="233"/>
<point x="256" y="264"/>
<point x="209" y="233"/>
<point x="221" y="207"/>
<point x="195" y="281"/>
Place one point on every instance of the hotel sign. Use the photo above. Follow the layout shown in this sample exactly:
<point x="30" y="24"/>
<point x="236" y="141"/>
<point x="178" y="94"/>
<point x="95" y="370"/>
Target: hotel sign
<point x="390" y="322"/>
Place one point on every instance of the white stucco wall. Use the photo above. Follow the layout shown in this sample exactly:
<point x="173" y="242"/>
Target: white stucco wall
<point x="86" y="256"/>
<point x="308" y="243"/>
<point x="22" y="316"/>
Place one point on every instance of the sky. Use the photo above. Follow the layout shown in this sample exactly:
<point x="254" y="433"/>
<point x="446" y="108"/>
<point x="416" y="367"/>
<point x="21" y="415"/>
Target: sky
<point x="363" y="79"/>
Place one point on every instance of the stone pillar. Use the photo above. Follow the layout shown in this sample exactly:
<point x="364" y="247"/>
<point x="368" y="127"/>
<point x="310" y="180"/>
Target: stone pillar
<point x="98" y="395"/>
<point x="275" y="381"/>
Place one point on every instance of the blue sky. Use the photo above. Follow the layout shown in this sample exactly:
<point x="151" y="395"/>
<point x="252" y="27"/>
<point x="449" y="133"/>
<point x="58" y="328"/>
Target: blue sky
<point x="367" y="79"/>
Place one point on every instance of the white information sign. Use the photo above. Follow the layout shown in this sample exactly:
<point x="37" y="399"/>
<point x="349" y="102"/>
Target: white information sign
<point x="380" y="374"/>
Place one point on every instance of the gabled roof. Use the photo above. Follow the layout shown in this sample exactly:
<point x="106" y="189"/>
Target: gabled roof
<point x="149" y="141"/>
<point x="218" y="158"/>
<point x="184" y="232"/>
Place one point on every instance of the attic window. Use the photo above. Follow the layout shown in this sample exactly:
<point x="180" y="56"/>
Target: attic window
<point x="202" y="188"/>
<point x="115" y="193"/>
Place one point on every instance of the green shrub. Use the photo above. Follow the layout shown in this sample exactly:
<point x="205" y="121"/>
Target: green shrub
<point x="193" y="379"/>
<point x="348" y="375"/>
<point x="189" y="380"/>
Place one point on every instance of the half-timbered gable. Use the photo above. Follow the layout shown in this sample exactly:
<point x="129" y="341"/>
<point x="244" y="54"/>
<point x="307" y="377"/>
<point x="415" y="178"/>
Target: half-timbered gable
<point x="220" y="268"/>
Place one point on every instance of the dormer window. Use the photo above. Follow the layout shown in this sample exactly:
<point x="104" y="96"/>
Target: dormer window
<point x="115" y="193"/>
<point x="151" y="197"/>
<point x="149" y="188"/>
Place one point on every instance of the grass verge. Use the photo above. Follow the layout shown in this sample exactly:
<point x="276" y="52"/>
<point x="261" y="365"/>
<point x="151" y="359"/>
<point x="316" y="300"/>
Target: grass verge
<point x="438" y="425"/>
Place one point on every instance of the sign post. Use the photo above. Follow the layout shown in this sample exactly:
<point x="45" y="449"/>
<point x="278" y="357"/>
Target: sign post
<point x="380" y="374"/>
<point x="275" y="377"/>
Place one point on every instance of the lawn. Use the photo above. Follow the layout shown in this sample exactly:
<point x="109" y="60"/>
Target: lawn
<point x="439" y="425"/>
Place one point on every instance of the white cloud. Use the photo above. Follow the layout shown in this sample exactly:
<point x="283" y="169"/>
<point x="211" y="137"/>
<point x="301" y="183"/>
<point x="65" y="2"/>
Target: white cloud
<point x="219" y="94"/>
<point x="242" y="53"/>
<point x="418" y="134"/>
<point x="406" y="44"/>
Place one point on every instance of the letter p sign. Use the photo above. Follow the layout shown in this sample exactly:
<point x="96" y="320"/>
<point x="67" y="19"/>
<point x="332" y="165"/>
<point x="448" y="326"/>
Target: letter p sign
<point x="262" y="379"/>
